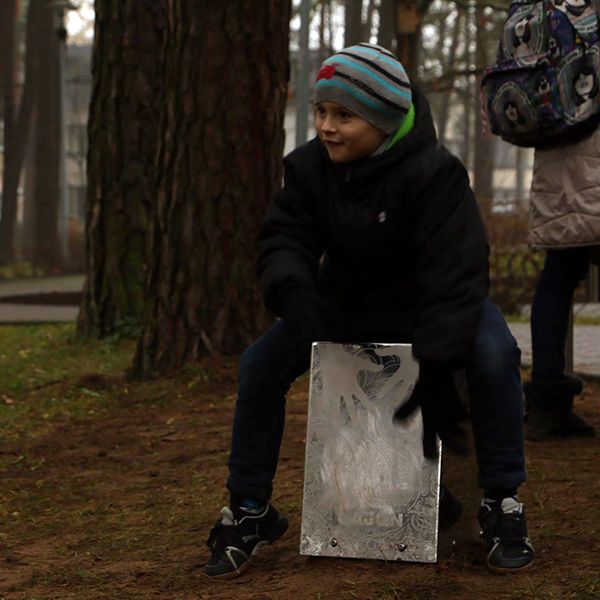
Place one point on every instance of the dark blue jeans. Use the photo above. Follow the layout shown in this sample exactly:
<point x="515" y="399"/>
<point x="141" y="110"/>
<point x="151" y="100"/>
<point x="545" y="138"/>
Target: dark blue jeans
<point x="273" y="362"/>
<point x="562" y="272"/>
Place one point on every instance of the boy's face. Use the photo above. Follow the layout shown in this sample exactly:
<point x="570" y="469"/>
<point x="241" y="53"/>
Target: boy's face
<point x="346" y="136"/>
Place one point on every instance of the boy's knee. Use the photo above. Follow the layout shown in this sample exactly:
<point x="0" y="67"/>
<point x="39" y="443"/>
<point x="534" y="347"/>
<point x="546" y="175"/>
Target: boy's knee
<point x="265" y="368"/>
<point x="251" y="364"/>
<point x="496" y="353"/>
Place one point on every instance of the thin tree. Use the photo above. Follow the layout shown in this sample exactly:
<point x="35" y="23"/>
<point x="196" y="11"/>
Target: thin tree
<point x="353" y="26"/>
<point x="8" y="15"/>
<point x="219" y="160"/>
<point x="409" y="23"/>
<point x="47" y="143"/>
<point x="367" y="26"/>
<point x="484" y="145"/>
<point x="386" y="34"/>
<point x="122" y="137"/>
<point x="449" y="66"/>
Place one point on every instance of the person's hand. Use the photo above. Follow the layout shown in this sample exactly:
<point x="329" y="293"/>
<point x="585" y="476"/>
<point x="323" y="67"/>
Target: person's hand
<point x="301" y="312"/>
<point x="441" y="409"/>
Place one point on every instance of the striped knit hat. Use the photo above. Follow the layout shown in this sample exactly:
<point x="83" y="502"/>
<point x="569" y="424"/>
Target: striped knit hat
<point x="369" y="81"/>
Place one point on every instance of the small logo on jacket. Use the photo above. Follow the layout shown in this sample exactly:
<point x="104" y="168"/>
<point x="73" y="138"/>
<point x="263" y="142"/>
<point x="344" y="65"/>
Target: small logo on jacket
<point x="381" y="217"/>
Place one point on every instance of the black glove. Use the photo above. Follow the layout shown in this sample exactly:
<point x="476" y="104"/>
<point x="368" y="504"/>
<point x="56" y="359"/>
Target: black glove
<point x="441" y="408"/>
<point x="301" y="309"/>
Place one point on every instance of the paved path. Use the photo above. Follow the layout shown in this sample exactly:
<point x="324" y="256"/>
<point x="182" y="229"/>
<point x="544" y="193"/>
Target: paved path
<point x="38" y="313"/>
<point x="586" y="343"/>
<point x="16" y="287"/>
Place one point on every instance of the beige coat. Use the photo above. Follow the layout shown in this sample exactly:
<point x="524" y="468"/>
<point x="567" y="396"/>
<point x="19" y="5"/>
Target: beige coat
<point x="565" y="195"/>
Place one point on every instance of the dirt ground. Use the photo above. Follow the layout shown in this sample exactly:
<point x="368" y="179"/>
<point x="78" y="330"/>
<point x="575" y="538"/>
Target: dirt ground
<point x="117" y="503"/>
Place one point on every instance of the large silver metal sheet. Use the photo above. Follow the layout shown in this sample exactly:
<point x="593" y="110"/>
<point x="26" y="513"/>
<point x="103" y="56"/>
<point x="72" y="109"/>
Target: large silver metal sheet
<point x="368" y="490"/>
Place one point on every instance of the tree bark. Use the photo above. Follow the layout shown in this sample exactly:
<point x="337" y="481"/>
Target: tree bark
<point x="353" y="29"/>
<point x="8" y="15"/>
<point x="219" y="161"/>
<point x="467" y="93"/>
<point x="26" y="242"/>
<point x="14" y="148"/>
<point x="450" y="65"/>
<point x="483" y="164"/>
<point x="520" y="166"/>
<point x="123" y="135"/>
<point x="47" y="145"/>
<point x="322" y="21"/>
<point x="386" y="36"/>
<point x="368" y="24"/>
<point x="409" y="20"/>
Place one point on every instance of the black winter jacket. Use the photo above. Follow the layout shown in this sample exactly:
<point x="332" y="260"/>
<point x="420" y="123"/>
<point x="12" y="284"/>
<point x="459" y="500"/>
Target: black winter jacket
<point x="395" y="239"/>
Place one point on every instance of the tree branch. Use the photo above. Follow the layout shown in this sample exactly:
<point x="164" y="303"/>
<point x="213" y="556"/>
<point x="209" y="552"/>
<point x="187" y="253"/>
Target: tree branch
<point x="496" y="6"/>
<point x="446" y="81"/>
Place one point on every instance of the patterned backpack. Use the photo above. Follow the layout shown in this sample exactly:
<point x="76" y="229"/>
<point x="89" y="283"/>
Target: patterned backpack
<point x="544" y="88"/>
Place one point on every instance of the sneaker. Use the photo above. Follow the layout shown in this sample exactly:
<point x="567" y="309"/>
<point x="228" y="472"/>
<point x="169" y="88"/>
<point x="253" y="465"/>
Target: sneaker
<point x="504" y="530"/>
<point x="237" y="536"/>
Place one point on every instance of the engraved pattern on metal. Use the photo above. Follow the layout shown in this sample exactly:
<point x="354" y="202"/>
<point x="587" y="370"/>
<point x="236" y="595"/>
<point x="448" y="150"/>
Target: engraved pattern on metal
<point x="368" y="490"/>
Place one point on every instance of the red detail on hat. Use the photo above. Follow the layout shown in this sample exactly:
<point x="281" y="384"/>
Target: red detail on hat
<point x="326" y="72"/>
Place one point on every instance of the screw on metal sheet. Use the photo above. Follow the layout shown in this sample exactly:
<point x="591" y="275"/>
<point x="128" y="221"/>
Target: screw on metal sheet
<point x="333" y="542"/>
<point x="401" y="547"/>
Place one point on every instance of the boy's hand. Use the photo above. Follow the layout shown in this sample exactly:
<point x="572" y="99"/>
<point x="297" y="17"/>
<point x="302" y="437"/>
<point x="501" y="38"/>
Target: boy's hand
<point x="441" y="409"/>
<point x="302" y="315"/>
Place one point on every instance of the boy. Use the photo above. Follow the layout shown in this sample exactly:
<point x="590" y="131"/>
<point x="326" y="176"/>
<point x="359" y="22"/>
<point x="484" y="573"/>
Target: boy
<point x="376" y="236"/>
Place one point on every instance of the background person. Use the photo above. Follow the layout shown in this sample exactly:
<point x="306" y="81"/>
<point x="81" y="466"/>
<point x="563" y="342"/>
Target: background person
<point x="565" y="221"/>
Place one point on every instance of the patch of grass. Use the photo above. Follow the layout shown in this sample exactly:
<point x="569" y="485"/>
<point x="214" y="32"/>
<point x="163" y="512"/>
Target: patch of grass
<point x="48" y="373"/>
<point x="20" y="270"/>
<point x="588" y="587"/>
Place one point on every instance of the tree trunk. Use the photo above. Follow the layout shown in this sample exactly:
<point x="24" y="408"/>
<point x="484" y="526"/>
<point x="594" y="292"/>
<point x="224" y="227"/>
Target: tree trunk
<point x="483" y="164"/>
<point x="386" y="36"/>
<point x="26" y="243"/>
<point x="409" y="19"/>
<point x="303" y="103"/>
<point x="14" y="148"/>
<point x="450" y="65"/>
<point x="368" y="24"/>
<point x="325" y="46"/>
<point x="47" y="145"/>
<point x="330" y="32"/>
<point x="353" y="30"/>
<point x="219" y="161"/>
<point x="322" y="21"/>
<point x="520" y="166"/>
<point x="123" y="135"/>
<point x="8" y="15"/>
<point x="467" y="93"/>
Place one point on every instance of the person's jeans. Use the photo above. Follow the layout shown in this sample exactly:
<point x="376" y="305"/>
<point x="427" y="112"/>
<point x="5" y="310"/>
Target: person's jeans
<point x="274" y="361"/>
<point x="562" y="272"/>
